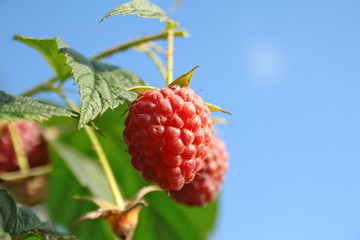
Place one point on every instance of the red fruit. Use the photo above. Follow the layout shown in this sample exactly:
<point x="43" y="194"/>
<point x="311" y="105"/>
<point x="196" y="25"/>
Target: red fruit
<point x="167" y="133"/>
<point x="32" y="141"/>
<point x="206" y="185"/>
<point x="29" y="190"/>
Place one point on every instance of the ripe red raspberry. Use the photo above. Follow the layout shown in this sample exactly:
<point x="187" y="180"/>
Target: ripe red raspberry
<point x="206" y="185"/>
<point x="32" y="141"/>
<point x="167" y="133"/>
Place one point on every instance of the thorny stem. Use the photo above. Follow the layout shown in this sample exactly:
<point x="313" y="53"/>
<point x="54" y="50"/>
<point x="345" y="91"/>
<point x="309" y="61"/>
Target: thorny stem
<point x="170" y="55"/>
<point x="48" y="85"/>
<point x="45" y="86"/>
<point x="115" y="190"/>
<point x="125" y="46"/>
<point x="19" y="149"/>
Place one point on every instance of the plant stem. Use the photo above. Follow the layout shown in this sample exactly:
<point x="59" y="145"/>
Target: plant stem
<point x="36" y="171"/>
<point x="155" y="59"/>
<point x="157" y="62"/>
<point x="125" y="46"/>
<point x="115" y="190"/>
<point x="118" y="199"/>
<point x="170" y="55"/>
<point x="19" y="149"/>
<point x="45" y="86"/>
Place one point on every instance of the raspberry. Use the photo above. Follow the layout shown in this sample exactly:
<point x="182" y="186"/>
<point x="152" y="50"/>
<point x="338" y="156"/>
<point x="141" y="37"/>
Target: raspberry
<point x="30" y="190"/>
<point x="167" y="133"/>
<point x="206" y="185"/>
<point x="32" y="141"/>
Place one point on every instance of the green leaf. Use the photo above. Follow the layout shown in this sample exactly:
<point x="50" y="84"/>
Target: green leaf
<point x="47" y="48"/>
<point x="21" y="223"/>
<point x="162" y="219"/>
<point x="142" y="8"/>
<point x="83" y="167"/>
<point x="25" y="108"/>
<point x="101" y="85"/>
<point x="198" y="222"/>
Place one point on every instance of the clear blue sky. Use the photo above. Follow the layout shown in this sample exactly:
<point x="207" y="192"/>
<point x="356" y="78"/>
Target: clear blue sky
<point x="289" y="71"/>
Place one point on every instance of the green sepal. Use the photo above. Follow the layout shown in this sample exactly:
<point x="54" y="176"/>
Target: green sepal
<point x="214" y="108"/>
<point x="141" y="89"/>
<point x="184" y="80"/>
<point x="171" y="25"/>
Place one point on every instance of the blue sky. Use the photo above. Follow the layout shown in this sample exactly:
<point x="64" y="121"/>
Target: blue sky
<point x="287" y="70"/>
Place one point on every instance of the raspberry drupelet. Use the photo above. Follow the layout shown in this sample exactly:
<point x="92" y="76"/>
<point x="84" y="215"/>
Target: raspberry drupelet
<point x="167" y="133"/>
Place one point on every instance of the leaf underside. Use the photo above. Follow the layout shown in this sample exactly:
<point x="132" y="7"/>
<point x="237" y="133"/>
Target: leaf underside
<point x="101" y="85"/>
<point x="142" y="8"/>
<point x="25" y="108"/>
<point x="47" y="48"/>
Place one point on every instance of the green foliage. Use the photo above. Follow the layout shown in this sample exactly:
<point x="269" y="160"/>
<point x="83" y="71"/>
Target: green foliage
<point x="47" y="47"/>
<point x="142" y="8"/>
<point x="21" y="223"/>
<point x="101" y="85"/>
<point x="25" y="108"/>
<point x="83" y="167"/>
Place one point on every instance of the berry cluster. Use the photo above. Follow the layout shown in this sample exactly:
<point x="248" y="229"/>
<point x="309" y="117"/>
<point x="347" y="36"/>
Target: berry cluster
<point x="206" y="185"/>
<point x="167" y="133"/>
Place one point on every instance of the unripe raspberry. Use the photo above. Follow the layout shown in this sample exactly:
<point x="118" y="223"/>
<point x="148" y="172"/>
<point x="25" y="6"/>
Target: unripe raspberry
<point x="167" y="134"/>
<point x="30" y="190"/>
<point x="206" y="185"/>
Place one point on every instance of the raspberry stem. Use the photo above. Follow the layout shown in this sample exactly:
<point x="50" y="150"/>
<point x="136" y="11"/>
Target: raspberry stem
<point x="106" y="167"/>
<point x="170" y="54"/>
<point x="154" y="58"/>
<point x="19" y="150"/>
<point x="45" y="86"/>
<point x="125" y="46"/>
<point x="115" y="190"/>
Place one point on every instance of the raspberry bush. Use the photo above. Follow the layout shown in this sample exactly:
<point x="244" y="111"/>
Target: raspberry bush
<point x="100" y="167"/>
